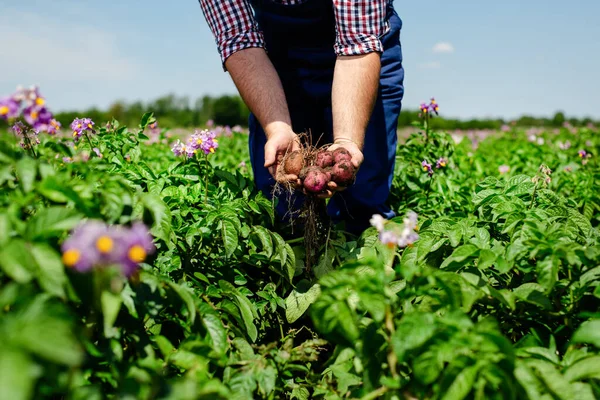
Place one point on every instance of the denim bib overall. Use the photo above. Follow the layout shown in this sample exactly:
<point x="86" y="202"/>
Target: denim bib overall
<point x="299" y="40"/>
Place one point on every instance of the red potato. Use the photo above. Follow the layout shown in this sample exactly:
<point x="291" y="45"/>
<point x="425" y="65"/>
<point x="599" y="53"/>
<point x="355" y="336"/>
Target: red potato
<point x="315" y="180"/>
<point x="324" y="159"/>
<point x="340" y="154"/>
<point x="294" y="163"/>
<point x="343" y="173"/>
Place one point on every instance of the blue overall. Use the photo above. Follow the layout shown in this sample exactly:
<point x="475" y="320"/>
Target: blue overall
<point x="299" y="40"/>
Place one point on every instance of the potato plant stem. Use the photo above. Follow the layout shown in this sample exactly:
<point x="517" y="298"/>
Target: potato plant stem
<point x="206" y="181"/>
<point x="92" y="154"/>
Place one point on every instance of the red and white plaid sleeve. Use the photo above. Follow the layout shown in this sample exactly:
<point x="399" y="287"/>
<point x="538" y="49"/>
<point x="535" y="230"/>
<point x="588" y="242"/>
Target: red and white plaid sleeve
<point x="233" y="26"/>
<point x="359" y="26"/>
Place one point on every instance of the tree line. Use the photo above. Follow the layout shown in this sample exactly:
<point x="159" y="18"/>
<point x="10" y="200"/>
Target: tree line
<point x="179" y="111"/>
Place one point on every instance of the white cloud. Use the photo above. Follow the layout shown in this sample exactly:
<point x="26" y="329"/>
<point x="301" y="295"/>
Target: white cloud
<point x="443" y="47"/>
<point x="431" y="65"/>
<point x="38" y="49"/>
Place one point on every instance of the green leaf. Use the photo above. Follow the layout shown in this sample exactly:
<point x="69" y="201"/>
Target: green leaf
<point x="56" y="191"/>
<point x="588" y="368"/>
<point x="17" y="262"/>
<point x="185" y="294"/>
<point x="111" y="305"/>
<point x="299" y="300"/>
<point x="266" y="379"/>
<point x="486" y="259"/>
<point x="214" y="326"/>
<point x="5" y="229"/>
<point x="51" y="274"/>
<point x="147" y="119"/>
<point x="460" y="255"/>
<point x="533" y="293"/>
<point x="230" y="237"/>
<point x="52" y="222"/>
<point x="553" y="379"/>
<point x="26" y="169"/>
<point x="455" y="235"/>
<point x="247" y="309"/>
<point x="264" y="235"/>
<point x="547" y="270"/>
<point x="44" y="332"/>
<point x="588" y="332"/>
<point x="462" y="384"/>
<point x="161" y="214"/>
<point x="18" y="374"/>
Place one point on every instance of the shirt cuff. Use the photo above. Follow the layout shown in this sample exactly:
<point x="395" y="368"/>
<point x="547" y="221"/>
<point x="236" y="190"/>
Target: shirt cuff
<point x="241" y="41"/>
<point x="362" y="44"/>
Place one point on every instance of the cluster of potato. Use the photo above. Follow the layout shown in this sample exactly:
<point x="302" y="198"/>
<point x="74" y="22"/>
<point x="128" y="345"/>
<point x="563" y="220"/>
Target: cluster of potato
<point x="316" y="170"/>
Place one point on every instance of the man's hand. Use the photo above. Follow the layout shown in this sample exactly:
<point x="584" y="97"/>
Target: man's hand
<point x="357" y="159"/>
<point x="278" y="144"/>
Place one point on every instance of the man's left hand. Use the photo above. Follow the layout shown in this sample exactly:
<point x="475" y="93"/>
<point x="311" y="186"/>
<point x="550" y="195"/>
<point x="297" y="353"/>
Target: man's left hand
<point x="357" y="160"/>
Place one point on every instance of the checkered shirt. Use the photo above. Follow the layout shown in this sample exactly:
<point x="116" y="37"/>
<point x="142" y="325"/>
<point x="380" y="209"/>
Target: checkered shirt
<point x="359" y="25"/>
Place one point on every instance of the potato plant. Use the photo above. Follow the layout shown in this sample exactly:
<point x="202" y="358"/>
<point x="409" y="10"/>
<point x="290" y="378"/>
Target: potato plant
<point x="497" y="298"/>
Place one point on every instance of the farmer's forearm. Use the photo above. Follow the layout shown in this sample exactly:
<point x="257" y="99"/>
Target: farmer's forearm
<point x="355" y="86"/>
<point x="260" y="87"/>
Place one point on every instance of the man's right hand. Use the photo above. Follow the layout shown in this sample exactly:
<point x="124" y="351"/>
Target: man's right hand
<point x="278" y="144"/>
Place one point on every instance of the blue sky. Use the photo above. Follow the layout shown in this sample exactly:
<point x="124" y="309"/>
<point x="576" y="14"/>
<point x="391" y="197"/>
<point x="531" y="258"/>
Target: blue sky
<point x="478" y="58"/>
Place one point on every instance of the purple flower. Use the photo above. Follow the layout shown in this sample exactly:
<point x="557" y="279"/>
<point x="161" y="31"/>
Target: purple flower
<point x="433" y="106"/>
<point x="427" y="167"/>
<point x="134" y="246"/>
<point x="53" y="127"/>
<point x="94" y="244"/>
<point x="564" y="146"/>
<point x="9" y="108"/>
<point x="424" y="108"/>
<point x="237" y="128"/>
<point x="441" y="163"/>
<point x="179" y="148"/>
<point x="204" y="141"/>
<point x="210" y="123"/>
<point x="19" y="128"/>
<point x="97" y="151"/>
<point x="89" y="245"/>
<point x="582" y="153"/>
<point x="81" y="125"/>
<point x="505" y="128"/>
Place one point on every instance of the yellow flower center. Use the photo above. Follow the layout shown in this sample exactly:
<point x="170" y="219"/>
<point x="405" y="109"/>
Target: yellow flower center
<point x="425" y="168"/>
<point x="79" y="126"/>
<point x="34" y="114"/>
<point x="104" y="244"/>
<point x="70" y="257"/>
<point x="391" y="245"/>
<point x="3" y="110"/>
<point x="40" y="101"/>
<point x="424" y="110"/>
<point x="74" y="133"/>
<point x="137" y="254"/>
<point x="212" y="149"/>
<point x="89" y="126"/>
<point x="199" y="141"/>
<point x="443" y="164"/>
<point x="215" y="141"/>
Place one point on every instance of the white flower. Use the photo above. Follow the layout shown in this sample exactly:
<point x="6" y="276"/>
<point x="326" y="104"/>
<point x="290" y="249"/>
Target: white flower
<point x="378" y="222"/>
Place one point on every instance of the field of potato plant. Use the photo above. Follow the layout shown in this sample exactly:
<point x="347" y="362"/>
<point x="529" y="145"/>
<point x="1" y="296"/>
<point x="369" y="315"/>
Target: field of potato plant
<point x="128" y="271"/>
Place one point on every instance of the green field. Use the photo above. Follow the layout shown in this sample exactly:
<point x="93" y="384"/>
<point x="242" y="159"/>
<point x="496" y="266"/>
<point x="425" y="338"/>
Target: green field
<point x="498" y="298"/>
